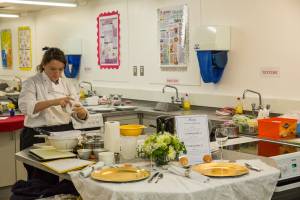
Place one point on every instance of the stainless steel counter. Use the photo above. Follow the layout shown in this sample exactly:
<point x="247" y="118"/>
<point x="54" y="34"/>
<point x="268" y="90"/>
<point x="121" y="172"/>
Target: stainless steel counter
<point x="146" y="108"/>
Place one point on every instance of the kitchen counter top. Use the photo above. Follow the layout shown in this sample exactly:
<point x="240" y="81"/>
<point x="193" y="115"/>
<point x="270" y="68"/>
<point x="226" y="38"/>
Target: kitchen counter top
<point x="143" y="107"/>
<point x="146" y="107"/>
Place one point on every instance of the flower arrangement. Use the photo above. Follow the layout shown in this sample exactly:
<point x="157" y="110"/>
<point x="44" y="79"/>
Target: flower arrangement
<point x="163" y="148"/>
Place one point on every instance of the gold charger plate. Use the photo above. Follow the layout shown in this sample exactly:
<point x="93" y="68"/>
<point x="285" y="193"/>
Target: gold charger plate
<point x="221" y="169"/>
<point x="120" y="174"/>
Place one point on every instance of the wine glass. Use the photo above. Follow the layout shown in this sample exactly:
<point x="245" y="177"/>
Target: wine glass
<point x="221" y="135"/>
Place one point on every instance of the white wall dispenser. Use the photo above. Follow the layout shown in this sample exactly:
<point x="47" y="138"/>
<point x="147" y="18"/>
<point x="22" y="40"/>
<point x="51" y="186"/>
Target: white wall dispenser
<point x="212" y="45"/>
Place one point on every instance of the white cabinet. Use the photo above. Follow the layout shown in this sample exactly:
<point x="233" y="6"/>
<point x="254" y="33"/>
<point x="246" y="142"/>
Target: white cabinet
<point x="10" y="169"/>
<point x="7" y="155"/>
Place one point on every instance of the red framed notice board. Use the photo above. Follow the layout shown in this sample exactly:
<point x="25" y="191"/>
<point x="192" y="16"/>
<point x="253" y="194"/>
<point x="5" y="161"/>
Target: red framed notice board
<point x="108" y="42"/>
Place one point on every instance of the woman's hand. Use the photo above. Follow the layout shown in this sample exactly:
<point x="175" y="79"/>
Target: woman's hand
<point x="63" y="102"/>
<point x="79" y="111"/>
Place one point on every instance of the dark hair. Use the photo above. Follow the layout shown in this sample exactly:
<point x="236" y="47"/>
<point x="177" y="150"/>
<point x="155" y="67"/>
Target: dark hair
<point x="51" y="54"/>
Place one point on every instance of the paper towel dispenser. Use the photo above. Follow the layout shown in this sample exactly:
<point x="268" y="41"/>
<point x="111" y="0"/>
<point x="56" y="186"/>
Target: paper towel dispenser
<point x="212" y="38"/>
<point x="212" y="46"/>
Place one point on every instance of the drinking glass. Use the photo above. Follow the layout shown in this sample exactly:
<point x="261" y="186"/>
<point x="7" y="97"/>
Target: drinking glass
<point x="221" y="135"/>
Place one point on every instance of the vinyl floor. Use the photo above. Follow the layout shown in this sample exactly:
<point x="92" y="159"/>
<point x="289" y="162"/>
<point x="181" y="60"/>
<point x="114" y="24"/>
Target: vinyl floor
<point x="5" y="193"/>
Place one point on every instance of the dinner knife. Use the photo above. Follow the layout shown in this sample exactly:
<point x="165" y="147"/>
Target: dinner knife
<point x="152" y="177"/>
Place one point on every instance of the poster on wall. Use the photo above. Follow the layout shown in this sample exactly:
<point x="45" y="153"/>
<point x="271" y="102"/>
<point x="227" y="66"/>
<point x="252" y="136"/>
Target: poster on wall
<point x="108" y="25"/>
<point x="6" y="49"/>
<point x="173" y="36"/>
<point x="24" y="48"/>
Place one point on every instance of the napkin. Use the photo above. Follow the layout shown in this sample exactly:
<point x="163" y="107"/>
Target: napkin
<point x="86" y="172"/>
<point x="188" y="173"/>
<point x="255" y="163"/>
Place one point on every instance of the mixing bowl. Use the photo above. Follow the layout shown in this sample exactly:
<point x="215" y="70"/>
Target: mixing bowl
<point x="131" y="129"/>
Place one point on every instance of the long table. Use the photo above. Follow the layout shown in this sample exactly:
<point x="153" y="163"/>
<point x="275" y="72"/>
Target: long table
<point x="255" y="185"/>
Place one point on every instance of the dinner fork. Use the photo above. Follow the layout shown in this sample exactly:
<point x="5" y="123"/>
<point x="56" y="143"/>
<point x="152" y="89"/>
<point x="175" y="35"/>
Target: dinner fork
<point x="160" y="176"/>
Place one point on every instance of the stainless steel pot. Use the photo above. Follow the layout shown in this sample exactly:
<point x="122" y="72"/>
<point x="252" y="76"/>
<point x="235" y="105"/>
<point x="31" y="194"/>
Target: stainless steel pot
<point x="92" y="142"/>
<point x="233" y="130"/>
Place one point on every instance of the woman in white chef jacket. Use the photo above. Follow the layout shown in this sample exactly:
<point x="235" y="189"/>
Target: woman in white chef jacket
<point x="48" y="101"/>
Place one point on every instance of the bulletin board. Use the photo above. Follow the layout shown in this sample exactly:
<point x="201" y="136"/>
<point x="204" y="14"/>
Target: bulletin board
<point x="173" y="36"/>
<point x="108" y="40"/>
<point x="24" y="48"/>
<point x="6" y="49"/>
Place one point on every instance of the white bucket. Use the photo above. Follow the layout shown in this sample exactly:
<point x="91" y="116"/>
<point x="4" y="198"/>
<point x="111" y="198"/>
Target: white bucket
<point x="128" y="147"/>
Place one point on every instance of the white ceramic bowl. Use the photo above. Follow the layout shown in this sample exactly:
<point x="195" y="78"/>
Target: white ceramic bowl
<point x="97" y="151"/>
<point x="63" y="144"/>
<point x="84" y="153"/>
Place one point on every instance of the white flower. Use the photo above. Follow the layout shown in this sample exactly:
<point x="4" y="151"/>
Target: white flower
<point x="171" y="153"/>
<point x="162" y="145"/>
<point x="148" y="148"/>
<point x="164" y="138"/>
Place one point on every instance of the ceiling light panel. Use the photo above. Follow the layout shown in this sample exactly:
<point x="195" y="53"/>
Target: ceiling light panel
<point x="8" y="15"/>
<point x="41" y="3"/>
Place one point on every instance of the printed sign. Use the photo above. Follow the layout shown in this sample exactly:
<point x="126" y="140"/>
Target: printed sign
<point x="193" y="131"/>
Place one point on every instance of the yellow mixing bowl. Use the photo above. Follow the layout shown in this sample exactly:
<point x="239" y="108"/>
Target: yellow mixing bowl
<point x="131" y="129"/>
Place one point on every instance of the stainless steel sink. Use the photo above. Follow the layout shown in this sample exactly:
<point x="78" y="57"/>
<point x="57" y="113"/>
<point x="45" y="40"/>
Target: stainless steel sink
<point x="166" y="107"/>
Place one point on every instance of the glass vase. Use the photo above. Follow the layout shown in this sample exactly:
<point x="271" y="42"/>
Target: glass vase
<point x="161" y="160"/>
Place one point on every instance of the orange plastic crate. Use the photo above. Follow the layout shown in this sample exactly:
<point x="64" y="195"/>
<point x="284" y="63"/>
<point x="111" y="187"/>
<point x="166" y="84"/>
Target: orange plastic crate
<point x="277" y="128"/>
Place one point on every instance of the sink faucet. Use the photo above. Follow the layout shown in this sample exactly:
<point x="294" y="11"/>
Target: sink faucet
<point x="177" y="97"/>
<point x="260" y="106"/>
<point x="91" y="92"/>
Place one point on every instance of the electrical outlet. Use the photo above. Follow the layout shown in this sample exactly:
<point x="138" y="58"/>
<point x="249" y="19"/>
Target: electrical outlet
<point x="142" y="71"/>
<point x="134" y="70"/>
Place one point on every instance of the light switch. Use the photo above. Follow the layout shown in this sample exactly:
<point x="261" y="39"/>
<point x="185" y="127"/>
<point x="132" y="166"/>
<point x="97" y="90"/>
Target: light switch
<point x="134" y="70"/>
<point x="142" y="71"/>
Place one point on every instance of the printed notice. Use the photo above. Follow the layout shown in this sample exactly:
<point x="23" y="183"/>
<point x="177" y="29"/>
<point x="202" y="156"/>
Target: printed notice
<point x="193" y="131"/>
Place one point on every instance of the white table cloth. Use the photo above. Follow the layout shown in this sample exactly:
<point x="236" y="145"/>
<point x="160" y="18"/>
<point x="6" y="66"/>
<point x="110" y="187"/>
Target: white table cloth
<point x="255" y="185"/>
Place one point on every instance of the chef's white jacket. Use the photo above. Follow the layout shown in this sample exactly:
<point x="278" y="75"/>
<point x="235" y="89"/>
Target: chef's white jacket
<point x="40" y="88"/>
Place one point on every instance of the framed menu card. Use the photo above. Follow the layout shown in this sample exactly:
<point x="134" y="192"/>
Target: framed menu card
<point x="193" y="131"/>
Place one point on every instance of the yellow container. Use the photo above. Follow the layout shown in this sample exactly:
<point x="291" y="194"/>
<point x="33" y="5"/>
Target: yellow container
<point x="186" y="104"/>
<point x="131" y="129"/>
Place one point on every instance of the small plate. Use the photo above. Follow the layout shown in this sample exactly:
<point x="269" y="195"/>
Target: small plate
<point x="125" y="107"/>
<point x="221" y="169"/>
<point x="120" y="174"/>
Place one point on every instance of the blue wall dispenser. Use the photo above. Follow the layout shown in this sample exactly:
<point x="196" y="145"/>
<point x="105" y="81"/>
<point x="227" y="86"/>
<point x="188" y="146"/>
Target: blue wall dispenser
<point x="212" y="64"/>
<point x="212" y="46"/>
<point x="73" y="66"/>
